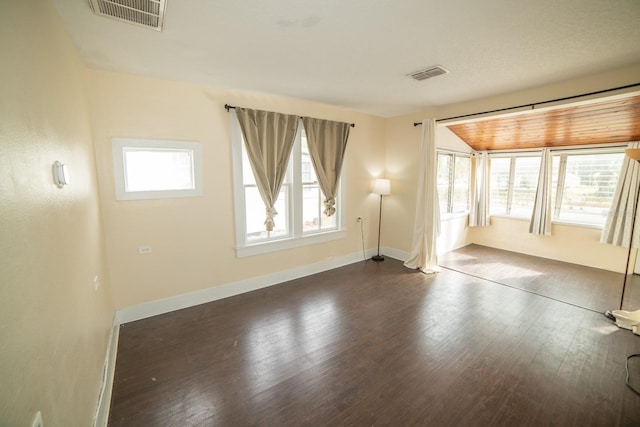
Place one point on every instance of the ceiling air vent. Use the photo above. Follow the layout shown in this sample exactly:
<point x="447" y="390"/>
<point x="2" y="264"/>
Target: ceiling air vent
<point x="428" y="73"/>
<point x="146" y="13"/>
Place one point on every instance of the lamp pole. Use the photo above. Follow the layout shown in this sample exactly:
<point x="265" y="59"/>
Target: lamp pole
<point x="634" y="154"/>
<point x="382" y="187"/>
<point x="379" y="257"/>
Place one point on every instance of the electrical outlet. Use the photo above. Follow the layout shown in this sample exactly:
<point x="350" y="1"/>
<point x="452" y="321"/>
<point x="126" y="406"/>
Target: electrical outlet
<point x="37" y="420"/>
<point x="144" y="250"/>
<point x="96" y="283"/>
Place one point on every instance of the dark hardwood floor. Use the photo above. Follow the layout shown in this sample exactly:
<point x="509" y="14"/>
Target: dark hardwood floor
<point x="376" y="344"/>
<point x="592" y="288"/>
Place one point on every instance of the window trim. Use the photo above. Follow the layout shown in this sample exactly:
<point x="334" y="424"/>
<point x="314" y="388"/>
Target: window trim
<point x="296" y="238"/>
<point x="560" y="187"/>
<point x="452" y="166"/>
<point x="512" y="156"/>
<point x="118" y="146"/>
<point x="563" y="152"/>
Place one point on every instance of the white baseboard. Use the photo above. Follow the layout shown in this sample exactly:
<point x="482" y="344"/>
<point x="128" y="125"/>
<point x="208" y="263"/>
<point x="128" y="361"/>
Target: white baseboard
<point x="104" y="398"/>
<point x="395" y="253"/>
<point x="166" y="305"/>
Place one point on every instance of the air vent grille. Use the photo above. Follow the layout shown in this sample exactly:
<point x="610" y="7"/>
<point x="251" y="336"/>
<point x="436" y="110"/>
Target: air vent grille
<point x="146" y="13"/>
<point x="429" y="73"/>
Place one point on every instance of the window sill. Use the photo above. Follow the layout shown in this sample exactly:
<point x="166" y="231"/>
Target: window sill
<point x="290" y="243"/>
<point x="554" y="222"/>
<point x="447" y="217"/>
<point x="517" y="218"/>
<point x="577" y="224"/>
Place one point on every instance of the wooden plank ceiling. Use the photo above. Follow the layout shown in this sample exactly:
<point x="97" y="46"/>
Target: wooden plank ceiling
<point x="604" y="122"/>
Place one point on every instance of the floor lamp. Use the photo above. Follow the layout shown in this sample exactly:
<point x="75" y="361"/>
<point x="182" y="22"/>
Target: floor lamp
<point x="633" y="154"/>
<point x="383" y="188"/>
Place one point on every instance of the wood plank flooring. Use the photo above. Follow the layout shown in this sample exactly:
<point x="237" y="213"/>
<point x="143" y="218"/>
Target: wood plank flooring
<point x="592" y="288"/>
<point x="376" y="344"/>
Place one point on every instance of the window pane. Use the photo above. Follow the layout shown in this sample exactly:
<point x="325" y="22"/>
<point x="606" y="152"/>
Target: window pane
<point x="311" y="204"/>
<point x="255" y="215"/>
<point x="499" y="184"/>
<point x="460" y="195"/>
<point x="525" y="185"/>
<point x="308" y="173"/>
<point x="590" y="182"/>
<point x="328" y="222"/>
<point x="150" y="169"/>
<point x="444" y="181"/>
<point x="247" y="172"/>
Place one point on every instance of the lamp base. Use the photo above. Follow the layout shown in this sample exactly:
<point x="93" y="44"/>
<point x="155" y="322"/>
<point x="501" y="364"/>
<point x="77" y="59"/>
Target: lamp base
<point x="377" y="258"/>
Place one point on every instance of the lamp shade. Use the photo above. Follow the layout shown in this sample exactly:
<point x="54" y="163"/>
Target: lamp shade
<point x="382" y="187"/>
<point x="633" y="153"/>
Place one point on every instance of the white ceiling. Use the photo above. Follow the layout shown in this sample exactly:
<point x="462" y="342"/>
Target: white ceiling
<point x="356" y="53"/>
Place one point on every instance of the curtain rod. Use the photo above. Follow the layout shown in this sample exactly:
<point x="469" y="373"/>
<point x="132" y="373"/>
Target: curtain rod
<point x="228" y="107"/>
<point x="535" y="104"/>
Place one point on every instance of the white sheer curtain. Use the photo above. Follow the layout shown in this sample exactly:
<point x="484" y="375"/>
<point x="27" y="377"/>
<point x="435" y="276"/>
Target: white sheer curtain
<point x="427" y="222"/>
<point x="479" y="206"/>
<point x="541" y="217"/>
<point x="268" y="138"/>
<point x="617" y="229"/>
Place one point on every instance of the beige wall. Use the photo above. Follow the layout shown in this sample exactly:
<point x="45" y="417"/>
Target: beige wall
<point x="192" y="239"/>
<point x="53" y="326"/>
<point x="578" y="245"/>
<point x="569" y="243"/>
<point x="402" y="155"/>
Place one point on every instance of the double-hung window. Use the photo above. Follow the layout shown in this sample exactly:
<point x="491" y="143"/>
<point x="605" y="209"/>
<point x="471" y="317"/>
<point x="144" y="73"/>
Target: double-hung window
<point x="585" y="183"/>
<point x="514" y="179"/>
<point x="453" y="182"/>
<point x="300" y="219"/>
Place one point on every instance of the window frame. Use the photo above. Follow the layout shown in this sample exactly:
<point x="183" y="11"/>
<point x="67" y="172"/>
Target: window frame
<point x="453" y="155"/>
<point x="297" y="237"/>
<point x="561" y="179"/>
<point x="118" y="148"/>
<point x="512" y="156"/>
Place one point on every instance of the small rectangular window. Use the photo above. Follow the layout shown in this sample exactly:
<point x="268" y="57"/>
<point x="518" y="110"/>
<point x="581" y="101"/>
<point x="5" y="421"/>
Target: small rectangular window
<point x="156" y="169"/>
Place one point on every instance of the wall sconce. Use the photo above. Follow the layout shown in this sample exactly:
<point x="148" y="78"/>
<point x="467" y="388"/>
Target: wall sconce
<point x="60" y="174"/>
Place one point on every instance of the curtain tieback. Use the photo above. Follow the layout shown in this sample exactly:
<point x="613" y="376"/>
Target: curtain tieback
<point x="329" y="206"/>
<point x="269" y="222"/>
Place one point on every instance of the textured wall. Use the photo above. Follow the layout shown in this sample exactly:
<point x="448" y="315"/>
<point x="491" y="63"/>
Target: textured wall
<point x="54" y="326"/>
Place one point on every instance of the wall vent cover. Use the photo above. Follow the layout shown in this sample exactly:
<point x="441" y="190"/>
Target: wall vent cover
<point x="428" y="73"/>
<point x="145" y="13"/>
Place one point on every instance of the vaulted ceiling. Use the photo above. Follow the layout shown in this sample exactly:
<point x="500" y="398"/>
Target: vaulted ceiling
<point x="613" y="120"/>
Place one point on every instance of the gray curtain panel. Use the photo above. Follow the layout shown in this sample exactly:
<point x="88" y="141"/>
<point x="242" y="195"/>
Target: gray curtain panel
<point x="327" y="143"/>
<point x="268" y="138"/>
